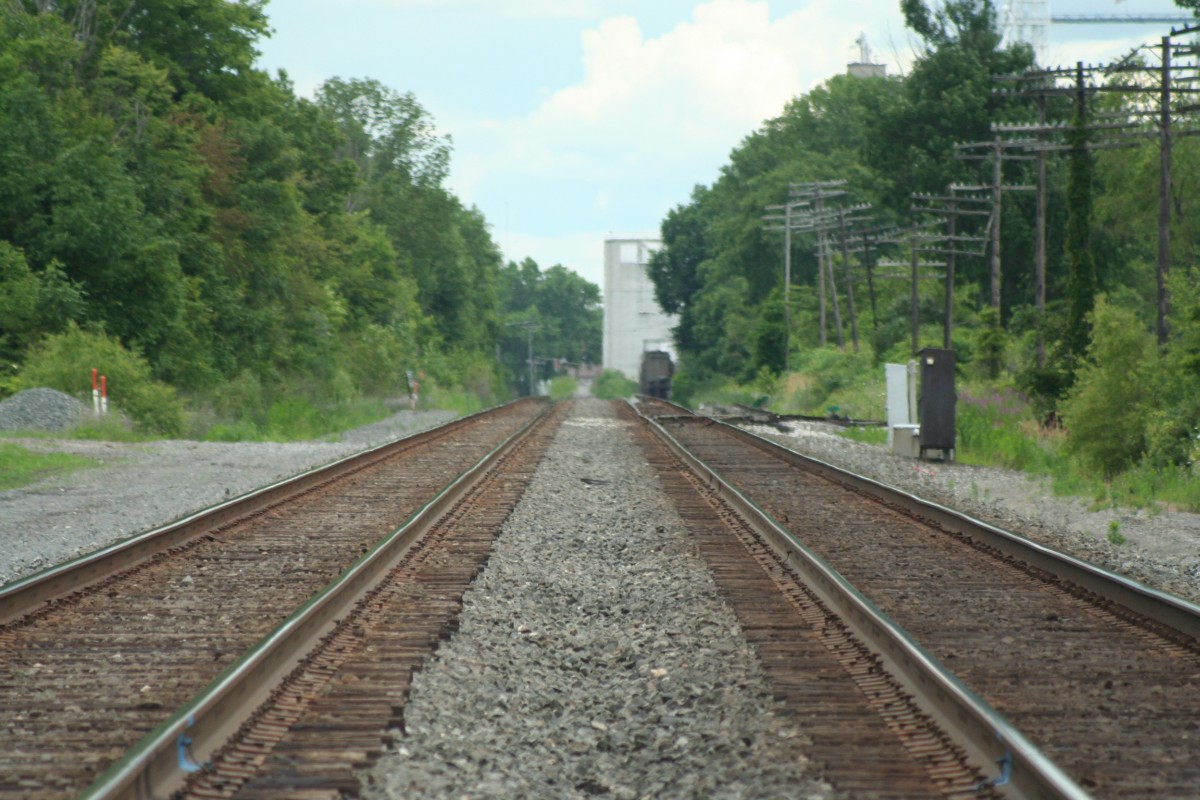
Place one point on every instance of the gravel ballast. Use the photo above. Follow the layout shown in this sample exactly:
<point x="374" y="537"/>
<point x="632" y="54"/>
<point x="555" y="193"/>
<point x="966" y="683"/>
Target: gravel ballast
<point x="42" y="410"/>
<point x="594" y="655"/>
<point x="136" y="487"/>
<point x="580" y="592"/>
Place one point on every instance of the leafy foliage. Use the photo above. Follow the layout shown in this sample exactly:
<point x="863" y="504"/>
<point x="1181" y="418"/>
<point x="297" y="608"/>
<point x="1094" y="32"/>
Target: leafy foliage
<point x="253" y="248"/>
<point x="1100" y="398"/>
<point x="556" y="314"/>
<point x="611" y="384"/>
<point x="65" y="362"/>
<point x="1105" y="412"/>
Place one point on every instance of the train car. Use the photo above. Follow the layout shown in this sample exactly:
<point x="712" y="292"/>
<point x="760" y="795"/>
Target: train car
<point x="655" y="377"/>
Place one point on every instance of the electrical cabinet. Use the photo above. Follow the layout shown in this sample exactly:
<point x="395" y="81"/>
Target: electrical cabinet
<point x="937" y="401"/>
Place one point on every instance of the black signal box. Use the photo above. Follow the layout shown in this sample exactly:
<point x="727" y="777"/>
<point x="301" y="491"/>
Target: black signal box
<point x="936" y="405"/>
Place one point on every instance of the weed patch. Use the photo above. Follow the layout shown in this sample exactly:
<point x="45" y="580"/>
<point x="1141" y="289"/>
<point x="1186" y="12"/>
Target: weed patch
<point x="20" y="467"/>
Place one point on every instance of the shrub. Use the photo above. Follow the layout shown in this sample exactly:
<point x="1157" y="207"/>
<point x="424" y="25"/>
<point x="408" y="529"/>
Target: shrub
<point x="612" y="384"/>
<point x="1106" y="411"/>
<point x="64" y="361"/>
<point x="562" y="387"/>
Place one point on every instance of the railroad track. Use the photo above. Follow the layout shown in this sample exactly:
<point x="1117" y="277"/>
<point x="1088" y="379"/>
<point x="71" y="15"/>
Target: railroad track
<point x="99" y="654"/>
<point x="1101" y="675"/>
<point x="105" y="698"/>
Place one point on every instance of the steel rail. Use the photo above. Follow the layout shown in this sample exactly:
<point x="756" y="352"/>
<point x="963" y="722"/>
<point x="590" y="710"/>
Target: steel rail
<point x="160" y="763"/>
<point x="1025" y="772"/>
<point x="25" y="595"/>
<point x="1174" y="612"/>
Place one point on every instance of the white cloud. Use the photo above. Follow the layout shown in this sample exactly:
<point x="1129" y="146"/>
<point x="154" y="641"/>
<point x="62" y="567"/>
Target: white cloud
<point x="650" y="117"/>
<point x="581" y="252"/>
<point x="699" y="88"/>
<point x="1094" y="51"/>
<point x="514" y="9"/>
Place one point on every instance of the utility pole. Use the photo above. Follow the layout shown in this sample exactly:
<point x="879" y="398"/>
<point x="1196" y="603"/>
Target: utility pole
<point x="996" y="146"/>
<point x="806" y="212"/>
<point x="913" y="274"/>
<point x="869" y="242"/>
<point x="958" y="201"/>
<point x="1163" y="263"/>
<point x="827" y="221"/>
<point x="915" y="297"/>
<point x="1167" y="83"/>
<point x="997" y="177"/>
<point x="529" y="328"/>
<point x="817" y="192"/>
<point x="787" y="219"/>
<point x="1039" y="258"/>
<point x="849" y="282"/>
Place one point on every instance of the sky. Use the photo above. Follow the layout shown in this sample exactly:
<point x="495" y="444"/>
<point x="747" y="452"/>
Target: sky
<point x="576" y="121"/>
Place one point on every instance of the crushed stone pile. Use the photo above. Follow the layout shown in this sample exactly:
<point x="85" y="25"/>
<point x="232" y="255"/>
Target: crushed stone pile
<point x="40" y="410"/>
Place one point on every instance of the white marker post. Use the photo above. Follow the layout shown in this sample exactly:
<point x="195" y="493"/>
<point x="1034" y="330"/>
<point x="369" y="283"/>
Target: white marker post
<point x="103" y="394"/>
<point x="95" y="394"/>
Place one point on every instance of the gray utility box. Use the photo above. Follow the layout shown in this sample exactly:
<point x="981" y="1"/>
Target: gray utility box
<point x="937" y="403"/>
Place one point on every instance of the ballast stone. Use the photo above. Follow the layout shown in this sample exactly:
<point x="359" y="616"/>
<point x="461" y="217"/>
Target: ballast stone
<point x="40" y="410"/>
<point x="595" y="656"/>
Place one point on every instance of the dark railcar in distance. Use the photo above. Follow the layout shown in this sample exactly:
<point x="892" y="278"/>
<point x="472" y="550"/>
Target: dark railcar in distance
<point x="656" y="372"/>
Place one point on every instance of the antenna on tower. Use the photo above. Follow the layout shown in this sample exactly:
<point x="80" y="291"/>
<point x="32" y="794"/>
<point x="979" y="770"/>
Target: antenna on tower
<point x="864" y="49"/>
<point x="864" y="68"/>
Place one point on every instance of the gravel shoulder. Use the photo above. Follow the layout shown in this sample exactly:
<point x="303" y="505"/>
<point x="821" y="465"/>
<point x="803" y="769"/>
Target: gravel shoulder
<point x="137" y="487"/>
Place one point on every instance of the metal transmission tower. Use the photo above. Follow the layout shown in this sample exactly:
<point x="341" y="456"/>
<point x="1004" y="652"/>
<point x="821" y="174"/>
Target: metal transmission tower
<point x="1027" y="21"/>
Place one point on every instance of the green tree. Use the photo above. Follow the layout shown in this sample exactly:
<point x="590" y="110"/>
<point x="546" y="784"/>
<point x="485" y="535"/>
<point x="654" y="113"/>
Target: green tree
<point x="561" y="312"/>
<point x="1106" y="411"/>
<point x="769" y="339"/>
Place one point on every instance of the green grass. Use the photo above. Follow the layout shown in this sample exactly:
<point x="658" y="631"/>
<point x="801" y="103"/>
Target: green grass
<point x="873" y="435"/>
<point x="563" y="387"/>
<point x="996" y="428"/>
<point x="20" y="467"/>
<point x="459" y="401"/>
<point x="298" y="419"/>
<point x="108" y="429"/>
<point x="611" y="384"/>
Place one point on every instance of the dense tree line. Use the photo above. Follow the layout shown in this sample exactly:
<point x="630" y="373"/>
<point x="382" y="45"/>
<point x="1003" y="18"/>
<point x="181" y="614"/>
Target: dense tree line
<point x="890" y="137"/>
<point x="555" y="313"/>
<point x="159" y="191"/>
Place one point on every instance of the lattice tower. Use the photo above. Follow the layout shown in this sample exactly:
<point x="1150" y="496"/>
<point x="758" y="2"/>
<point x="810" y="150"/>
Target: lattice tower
<point x="1027" y="21"/>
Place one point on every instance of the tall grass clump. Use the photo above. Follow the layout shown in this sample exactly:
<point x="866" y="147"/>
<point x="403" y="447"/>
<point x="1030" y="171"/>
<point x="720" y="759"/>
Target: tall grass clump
<point x="997" y="427"/>
<point x="832" y="381"/>
<point x="612" y="384"/>
<point x="563" y="387"/>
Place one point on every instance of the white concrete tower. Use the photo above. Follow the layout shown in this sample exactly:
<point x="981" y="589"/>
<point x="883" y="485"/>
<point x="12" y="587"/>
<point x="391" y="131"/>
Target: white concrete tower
<point x="633" y="321"/>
